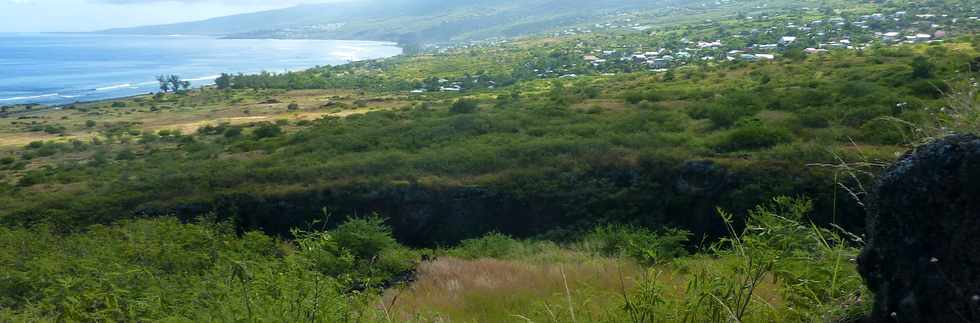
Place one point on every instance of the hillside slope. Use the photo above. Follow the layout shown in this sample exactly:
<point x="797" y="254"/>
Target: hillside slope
<point x="406" y="21"/>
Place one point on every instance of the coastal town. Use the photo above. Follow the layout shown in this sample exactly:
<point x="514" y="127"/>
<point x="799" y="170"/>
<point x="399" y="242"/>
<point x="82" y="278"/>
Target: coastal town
<point x="628" y="44"/>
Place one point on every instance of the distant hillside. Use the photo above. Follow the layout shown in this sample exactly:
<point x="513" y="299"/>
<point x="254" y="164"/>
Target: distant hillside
<point x="407" y="21"/>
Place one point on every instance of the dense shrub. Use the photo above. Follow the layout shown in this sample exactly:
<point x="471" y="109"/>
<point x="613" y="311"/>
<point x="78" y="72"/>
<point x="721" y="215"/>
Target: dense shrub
<point x="753" y="137"/>
<point x="233" y="132"/>
<point x="493" y="245"/>
<point x="267" y="130"/>
<point x="362" y="251"/>
<point x="161" y="270"/>
<point x="464" y="106"/>
<point x="722" y="116"/>
<point x="778" y="244"/>
<point x="126" y="154"/>
<point x="643" y="245"/>
<point x="886" y="132"/>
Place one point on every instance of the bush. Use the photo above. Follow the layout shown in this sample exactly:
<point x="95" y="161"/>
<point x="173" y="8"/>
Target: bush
<point x="119" y="104"/>
<point x="363" y="250"/>
<point x="781" y="239"/>
<point x="267" y="130"/>
<point x="149" y="137"/>
<point x="365" y="238"/>
<point x="35" y="145"/>
<point x="54" y="129"/>
<point x="233" y="132"/>
<point x="293" y="107"/>
<point x="464" y="106"/>
<point x="813" y="118"/>
<point x="922" y="68"/>
<point x="90" y="123"/>
<point x="493" y="245"/>
<point x="634" y="97"/>
<point x="643" y="245"/>
<point x="886" y="132"/>
<point x="928" y="88"/>
<point x="723" y="116"/>
<point x="753" y="137"/>
<point x="126" y="154"/>
<point x="161" y="270"/>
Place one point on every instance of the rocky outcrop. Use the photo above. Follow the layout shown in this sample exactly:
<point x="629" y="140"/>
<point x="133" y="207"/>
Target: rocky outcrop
<point x="922" y="258"/>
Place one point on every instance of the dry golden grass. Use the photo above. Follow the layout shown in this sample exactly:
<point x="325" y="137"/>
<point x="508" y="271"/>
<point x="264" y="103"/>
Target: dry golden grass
<point x="491" y="290"/>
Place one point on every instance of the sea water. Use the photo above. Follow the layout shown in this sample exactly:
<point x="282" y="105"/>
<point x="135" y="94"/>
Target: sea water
<point x="66" y="68"/>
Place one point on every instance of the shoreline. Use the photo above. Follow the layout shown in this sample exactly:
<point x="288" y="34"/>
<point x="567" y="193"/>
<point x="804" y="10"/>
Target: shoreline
<point x="53" y="99"/>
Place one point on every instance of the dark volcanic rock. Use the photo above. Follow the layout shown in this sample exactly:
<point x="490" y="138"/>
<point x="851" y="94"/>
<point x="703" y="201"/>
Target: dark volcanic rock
<point x="922" y="259"/>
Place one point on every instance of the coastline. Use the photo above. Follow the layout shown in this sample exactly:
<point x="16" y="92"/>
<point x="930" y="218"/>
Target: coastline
<point x="292" y="57"/>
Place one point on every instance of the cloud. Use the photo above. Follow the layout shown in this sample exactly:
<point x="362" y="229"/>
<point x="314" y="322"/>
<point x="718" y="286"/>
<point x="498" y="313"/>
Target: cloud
<point x="90" y="15"/>
<point x="227" y="2"/>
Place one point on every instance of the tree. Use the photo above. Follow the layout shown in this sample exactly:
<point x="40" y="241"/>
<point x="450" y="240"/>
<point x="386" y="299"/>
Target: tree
<point x="177" y="84"/>
<point x="922" y="68"/>
<point x="794" y="54"/>
<point x="464" y="106"/>
<point x="558" y="93"/>
<point x="172" y="83"/>
<point x="223" y="82"/>
<point x="90" y="123"/>
<point x="765" y="79"/>
<point x="292" y="107"/>
<point x="164" y="83"/>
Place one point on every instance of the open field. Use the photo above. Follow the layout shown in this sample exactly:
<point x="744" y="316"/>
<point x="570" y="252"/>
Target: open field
<point x="185" y="114"/>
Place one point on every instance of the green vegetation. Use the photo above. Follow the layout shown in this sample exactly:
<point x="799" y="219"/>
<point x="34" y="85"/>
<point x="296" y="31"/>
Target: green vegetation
<point x="525" y="147"/>
<point x="506" y="181"/>
<point x="780" y="268"/>
<point x="164" y="270"/>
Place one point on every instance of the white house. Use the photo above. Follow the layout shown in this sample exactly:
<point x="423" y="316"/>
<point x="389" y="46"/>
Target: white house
<point x="787" y="40"/>
<point x="659" y="63"/>
<point x="713" y="44"/>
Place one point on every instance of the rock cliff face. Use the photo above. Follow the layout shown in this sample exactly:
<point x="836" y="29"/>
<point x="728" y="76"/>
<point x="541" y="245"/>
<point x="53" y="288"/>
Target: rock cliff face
<point x="682" y="195"/>
<point x="922" y="258"/>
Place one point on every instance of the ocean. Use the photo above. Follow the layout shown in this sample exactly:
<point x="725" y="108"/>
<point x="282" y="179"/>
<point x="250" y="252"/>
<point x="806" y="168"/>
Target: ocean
<point x="65" y="68"/>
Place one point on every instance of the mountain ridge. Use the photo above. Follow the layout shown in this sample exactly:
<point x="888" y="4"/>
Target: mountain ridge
<point x="403" y="21"/>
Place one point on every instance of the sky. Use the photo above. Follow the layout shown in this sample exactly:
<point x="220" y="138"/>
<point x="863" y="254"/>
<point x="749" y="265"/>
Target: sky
<point x="91" y="15"/>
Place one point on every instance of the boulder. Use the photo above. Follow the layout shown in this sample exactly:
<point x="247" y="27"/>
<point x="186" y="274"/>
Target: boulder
<point x="922" y="257"/>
